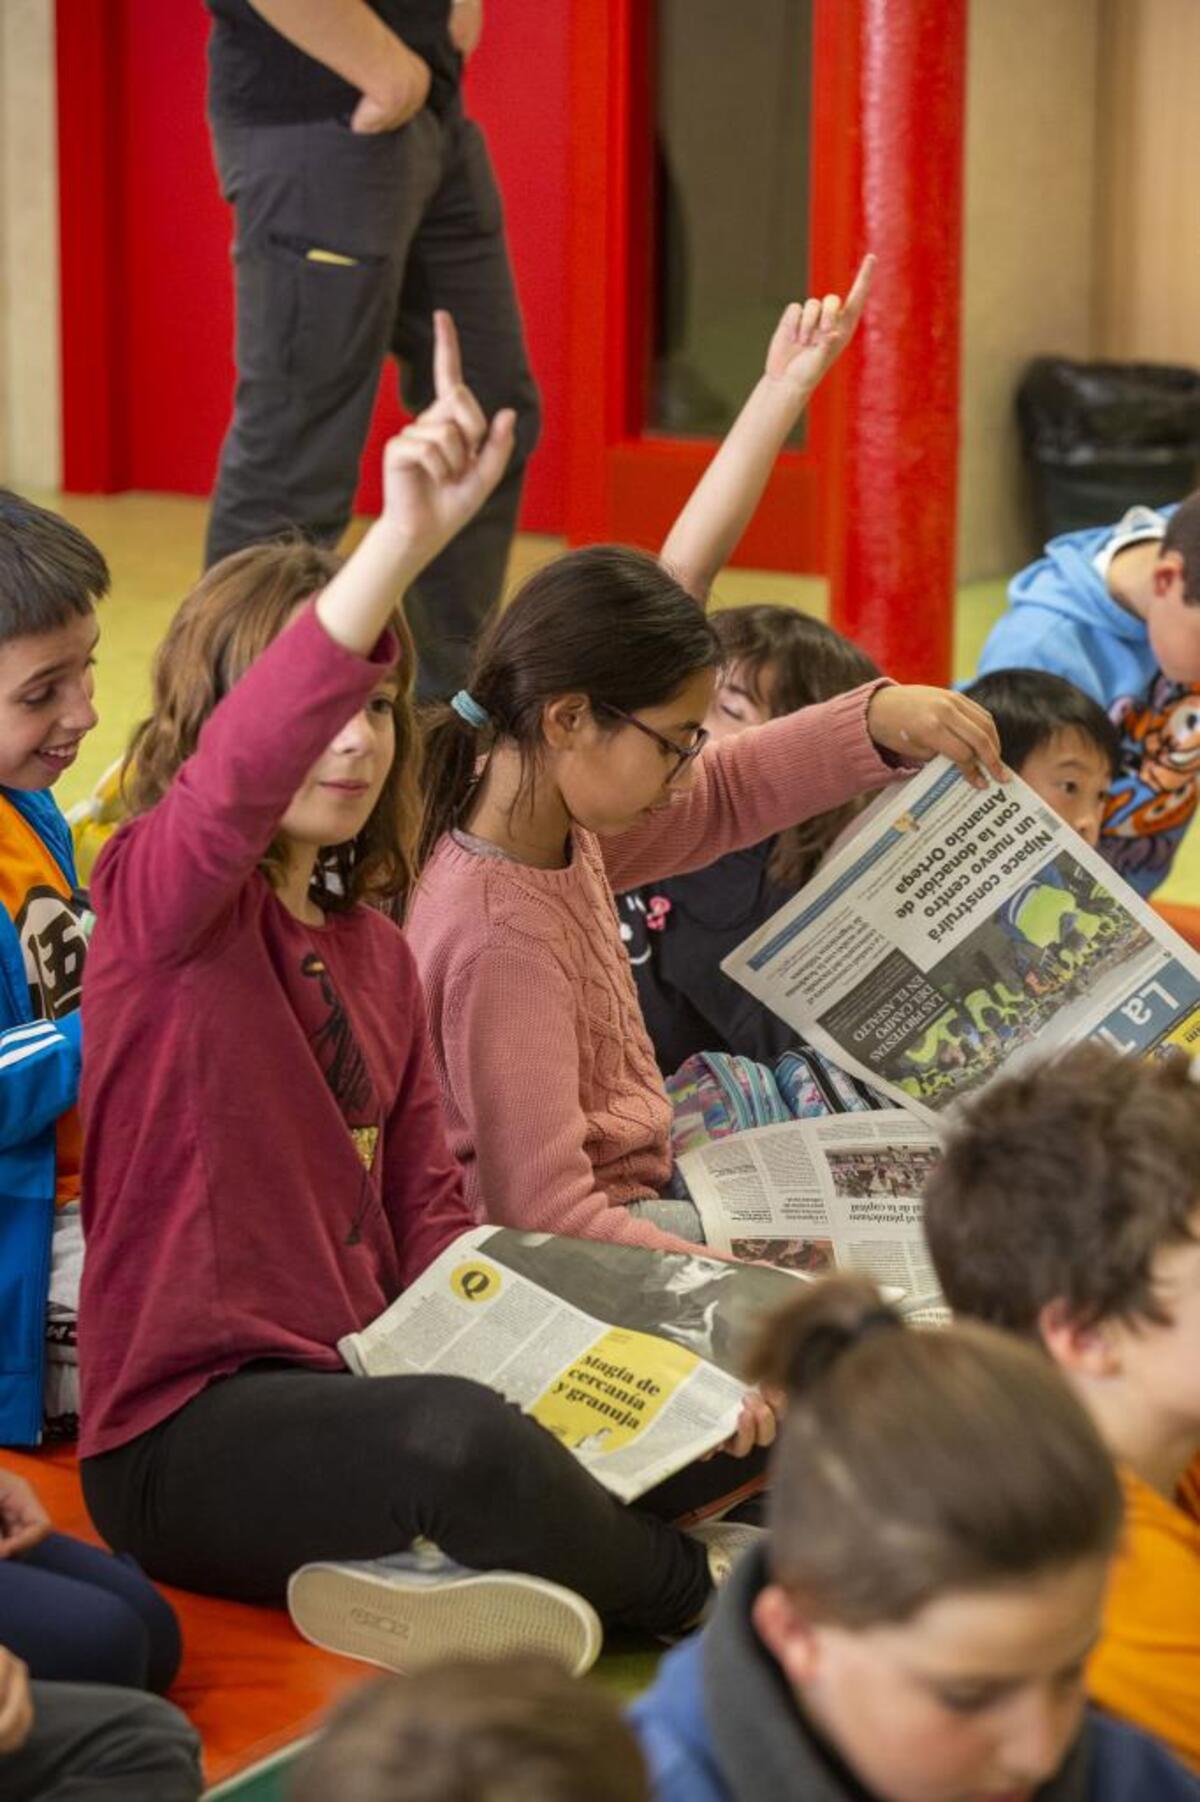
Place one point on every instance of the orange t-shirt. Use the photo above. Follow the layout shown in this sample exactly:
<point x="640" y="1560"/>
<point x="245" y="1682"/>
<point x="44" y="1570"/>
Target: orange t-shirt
<point x="1147" y="1666"/>
<point x="38" y="897"/>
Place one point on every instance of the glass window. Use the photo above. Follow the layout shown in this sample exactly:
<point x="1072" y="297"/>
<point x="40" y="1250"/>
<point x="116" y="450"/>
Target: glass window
<point x="731" y="161"/>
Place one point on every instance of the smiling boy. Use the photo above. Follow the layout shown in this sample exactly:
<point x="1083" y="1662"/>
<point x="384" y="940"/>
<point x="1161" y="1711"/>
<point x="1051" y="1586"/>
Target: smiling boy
<point x="50" y="580"/>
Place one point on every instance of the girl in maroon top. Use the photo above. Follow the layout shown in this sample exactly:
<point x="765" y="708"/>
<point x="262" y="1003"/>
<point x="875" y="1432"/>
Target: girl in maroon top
<point x="266" y="1167"/>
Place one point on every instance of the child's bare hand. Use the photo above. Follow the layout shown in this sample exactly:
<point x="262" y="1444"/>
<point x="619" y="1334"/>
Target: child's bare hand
<point x="24" y="1521"/>
<point x="809" y="339"/>
<point x="920" y="723"/>
<point x="16" y="1703"/>
<point x="439" y="471"/>
<point x="756" y="1426"/>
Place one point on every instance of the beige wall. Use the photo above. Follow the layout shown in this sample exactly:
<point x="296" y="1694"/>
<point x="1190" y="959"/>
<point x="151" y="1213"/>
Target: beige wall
<point x="30" y="449"/>
<point x="1148" y="262"/>
<point x="1029" y="244"/>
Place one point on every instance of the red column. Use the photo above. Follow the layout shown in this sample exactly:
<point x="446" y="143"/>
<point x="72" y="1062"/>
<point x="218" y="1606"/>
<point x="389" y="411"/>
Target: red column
<point x="893" y="484"/>
<point x="92" y="275"/>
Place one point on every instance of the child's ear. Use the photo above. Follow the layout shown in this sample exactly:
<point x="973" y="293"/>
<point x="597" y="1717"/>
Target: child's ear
<point x="1082" y="1349"/>
<point x="789" y="1636"/>
<point x="563" y="719"/>
<point x="1167" y="576"/>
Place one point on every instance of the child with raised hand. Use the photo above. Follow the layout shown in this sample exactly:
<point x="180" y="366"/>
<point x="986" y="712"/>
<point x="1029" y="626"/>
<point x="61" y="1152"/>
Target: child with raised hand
<point x="570" y="768"/>
<point x="266" y="1165"/>
<point x="917" y="1625"/>
<point x="475" y="1732"/>
<point x="1066" y="1208"/>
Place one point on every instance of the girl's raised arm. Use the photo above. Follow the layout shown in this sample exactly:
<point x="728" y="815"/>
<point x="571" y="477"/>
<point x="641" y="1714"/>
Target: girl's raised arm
<point x="436" y="474"/>
<point x="807" y="342"/>
<point x="172" y="876"/>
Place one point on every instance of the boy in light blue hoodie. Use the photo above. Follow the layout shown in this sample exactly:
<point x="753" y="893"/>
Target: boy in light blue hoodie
<point x="51" y="576"/>
<point x="1116" y="610"/>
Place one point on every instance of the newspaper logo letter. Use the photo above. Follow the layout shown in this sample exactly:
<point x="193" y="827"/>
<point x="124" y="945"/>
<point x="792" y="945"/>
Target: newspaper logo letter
<point x="475" y="1282"/>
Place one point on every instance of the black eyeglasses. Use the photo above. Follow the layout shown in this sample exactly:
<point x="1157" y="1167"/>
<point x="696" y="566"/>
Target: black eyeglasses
<point x="681" y="755"/>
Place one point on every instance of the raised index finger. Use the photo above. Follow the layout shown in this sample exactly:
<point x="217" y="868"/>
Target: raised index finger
<point x="856" y="300"/>
<point x="447" y="358"/>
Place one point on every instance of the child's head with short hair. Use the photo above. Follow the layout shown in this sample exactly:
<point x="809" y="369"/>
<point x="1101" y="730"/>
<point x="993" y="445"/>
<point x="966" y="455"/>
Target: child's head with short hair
<point x="942" y="1516"/>
<point x="776" y="661"/>
<point x="1057" y="739"/>
<point x="522" y="1731"/>
<point x="365" y="829"/>
<point x="1066" y="1207"/>
<point x="51" y="578"/>
<point x="1173" y="615"/>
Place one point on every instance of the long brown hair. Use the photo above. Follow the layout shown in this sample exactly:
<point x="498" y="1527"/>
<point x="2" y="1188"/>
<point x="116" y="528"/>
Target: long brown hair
<point x="788" y="660"/>
<point x="913" y="1462"/>
<point x="607" y="622"/>
<point x="228" y="620"/>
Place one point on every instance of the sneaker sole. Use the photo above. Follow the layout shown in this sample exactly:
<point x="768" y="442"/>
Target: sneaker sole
<point x="402" y="1627"/>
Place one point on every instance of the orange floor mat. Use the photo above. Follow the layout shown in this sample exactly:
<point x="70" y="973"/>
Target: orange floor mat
<point x="248" y="1681"/>
<point x="1185" y="920"/>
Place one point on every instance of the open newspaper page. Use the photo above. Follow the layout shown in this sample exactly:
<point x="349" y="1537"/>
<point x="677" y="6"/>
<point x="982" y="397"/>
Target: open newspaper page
<point x="630" y="1357"/>
<point x="818" y="1195"/>
<point x="961" y="931"/>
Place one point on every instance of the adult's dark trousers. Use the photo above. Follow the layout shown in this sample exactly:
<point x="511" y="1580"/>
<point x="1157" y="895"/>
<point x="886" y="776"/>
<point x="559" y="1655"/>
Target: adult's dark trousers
<point x="102" y="1745"/>
<point x="278" y="1467"/>
<point x="75" y="1614"/>
<point x="345" y="243"/>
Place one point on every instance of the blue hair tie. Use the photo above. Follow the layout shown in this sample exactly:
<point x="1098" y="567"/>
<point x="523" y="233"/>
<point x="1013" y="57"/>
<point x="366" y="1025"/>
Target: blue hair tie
<point x="468" y="709"/>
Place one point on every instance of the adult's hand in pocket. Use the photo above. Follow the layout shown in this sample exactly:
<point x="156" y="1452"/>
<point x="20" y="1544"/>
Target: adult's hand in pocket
<point x="466" y="25"/>
<point x="398" y="95"/>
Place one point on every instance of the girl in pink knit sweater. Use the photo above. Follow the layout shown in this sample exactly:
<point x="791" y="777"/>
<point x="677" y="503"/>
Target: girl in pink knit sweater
<point x="570" y="768"/>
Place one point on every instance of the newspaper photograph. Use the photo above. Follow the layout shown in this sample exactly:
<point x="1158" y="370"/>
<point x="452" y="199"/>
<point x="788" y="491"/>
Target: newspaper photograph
<point x="815" y="1196"/>
<point x="961" y="931"/>
<point x="630" y="1357"/>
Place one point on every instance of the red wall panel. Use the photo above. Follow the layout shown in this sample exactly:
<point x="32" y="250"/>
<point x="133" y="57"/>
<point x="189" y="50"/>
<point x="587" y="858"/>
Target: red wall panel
<point x="147" y="316"/>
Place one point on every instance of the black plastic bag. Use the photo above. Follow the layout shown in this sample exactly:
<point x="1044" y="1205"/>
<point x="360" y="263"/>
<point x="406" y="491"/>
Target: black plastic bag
<point x="1102" y="437"/>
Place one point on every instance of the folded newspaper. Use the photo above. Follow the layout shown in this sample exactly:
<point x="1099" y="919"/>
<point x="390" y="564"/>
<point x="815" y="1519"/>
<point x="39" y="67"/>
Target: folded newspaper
<point x="817" y="1195"/>
<point x="961" y="932"/>
<point x="630" y="1357"/>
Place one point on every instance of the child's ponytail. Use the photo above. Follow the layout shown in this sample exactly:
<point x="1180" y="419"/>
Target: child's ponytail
<point x="914" y="1462"/>
<point x="800" y="1344"/>
<point x="452" y="748"/>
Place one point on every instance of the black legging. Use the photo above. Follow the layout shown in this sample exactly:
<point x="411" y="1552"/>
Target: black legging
<point x="276" y="1467"/>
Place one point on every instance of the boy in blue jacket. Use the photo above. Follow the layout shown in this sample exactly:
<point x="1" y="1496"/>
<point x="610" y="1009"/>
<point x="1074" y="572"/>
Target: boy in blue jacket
<point x="1116" y="610"/>
<point x="51" y="577"/>
<point x="917" y="1624"/>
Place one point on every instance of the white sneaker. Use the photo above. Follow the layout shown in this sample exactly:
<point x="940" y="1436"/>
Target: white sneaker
<point x="725" y="1542"/>
<point x="409" y="1611"/>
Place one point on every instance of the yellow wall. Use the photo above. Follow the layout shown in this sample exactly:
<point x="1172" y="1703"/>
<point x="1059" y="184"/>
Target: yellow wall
<point x="1148" y="263"/>
<point x="1029" y="240"/>
<point x="30" y="449"/>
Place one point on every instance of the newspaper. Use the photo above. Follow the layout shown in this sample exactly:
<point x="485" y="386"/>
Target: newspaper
<point x="817" y="1195"/>
<point x="960" y="932"/>
<point x="630" y="1357"/>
